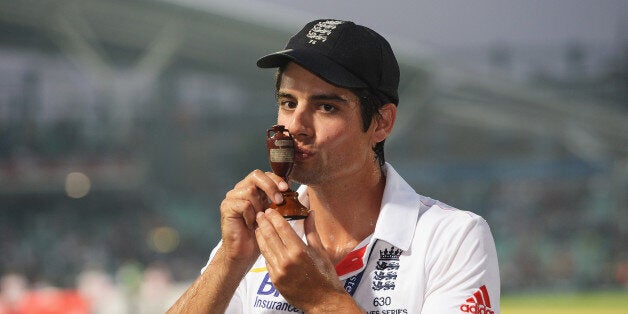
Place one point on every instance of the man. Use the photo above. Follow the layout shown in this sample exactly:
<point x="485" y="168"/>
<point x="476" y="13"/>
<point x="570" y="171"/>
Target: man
<point x="370" y="243"/>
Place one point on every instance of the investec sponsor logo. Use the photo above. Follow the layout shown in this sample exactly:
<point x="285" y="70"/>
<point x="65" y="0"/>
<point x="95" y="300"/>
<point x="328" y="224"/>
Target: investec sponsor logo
<point x="268" y="298"/>
<point x="479" y="303"/>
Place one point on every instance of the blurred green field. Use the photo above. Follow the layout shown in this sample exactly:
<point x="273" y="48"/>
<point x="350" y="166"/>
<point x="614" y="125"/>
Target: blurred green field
<point x="607" y="302"/>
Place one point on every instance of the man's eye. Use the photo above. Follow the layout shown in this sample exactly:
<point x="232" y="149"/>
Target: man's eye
<point x="327" y="107"/>
<point x="287" y="105"/>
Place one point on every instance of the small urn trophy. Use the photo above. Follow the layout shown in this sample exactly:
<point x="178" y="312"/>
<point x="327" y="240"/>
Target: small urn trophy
<point x="280" y="147"/>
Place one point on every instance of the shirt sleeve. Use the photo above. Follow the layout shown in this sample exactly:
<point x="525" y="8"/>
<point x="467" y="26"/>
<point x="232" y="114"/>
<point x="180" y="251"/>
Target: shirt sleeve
<point x="235" y="304"/>
<point x="462" y="270"/>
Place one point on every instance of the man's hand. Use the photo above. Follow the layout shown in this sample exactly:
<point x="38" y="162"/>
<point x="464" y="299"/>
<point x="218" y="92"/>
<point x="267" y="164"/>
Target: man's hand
<point x="304" y="274"/>
<point x="212" y="290"/>
<point x="237" y="213"/>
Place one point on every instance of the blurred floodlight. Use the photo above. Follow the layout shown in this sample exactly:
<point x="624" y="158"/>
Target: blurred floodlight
<point x="77" y="184"/>
<point x="163" y="239"/>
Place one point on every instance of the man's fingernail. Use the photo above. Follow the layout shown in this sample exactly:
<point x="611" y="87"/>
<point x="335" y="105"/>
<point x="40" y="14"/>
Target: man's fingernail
<point x="283" y="186"/>
<point x="278" y="198"/>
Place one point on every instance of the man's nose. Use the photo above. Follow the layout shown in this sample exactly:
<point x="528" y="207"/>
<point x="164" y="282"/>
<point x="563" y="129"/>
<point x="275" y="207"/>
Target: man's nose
<point x="300" y="122"/>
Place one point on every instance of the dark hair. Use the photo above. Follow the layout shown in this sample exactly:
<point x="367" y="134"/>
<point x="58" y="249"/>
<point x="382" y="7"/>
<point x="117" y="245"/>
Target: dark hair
<point x="369" y="108"/>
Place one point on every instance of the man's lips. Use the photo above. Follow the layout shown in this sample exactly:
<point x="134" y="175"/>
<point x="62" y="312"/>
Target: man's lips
<point x="302" y="154"/>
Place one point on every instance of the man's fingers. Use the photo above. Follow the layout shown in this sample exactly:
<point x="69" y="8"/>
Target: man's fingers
<point x="258" y="189"/>
<point x="283" y="228"/>
<point x="283" y="185"/>
<point x="268" y="230"/>
<point x="269" y="242"/>
<point x="267" y="183"/>
<point x="239" y="208"/>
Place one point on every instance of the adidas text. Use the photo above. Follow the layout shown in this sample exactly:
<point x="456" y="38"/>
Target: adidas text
<point x="476" y="309"/>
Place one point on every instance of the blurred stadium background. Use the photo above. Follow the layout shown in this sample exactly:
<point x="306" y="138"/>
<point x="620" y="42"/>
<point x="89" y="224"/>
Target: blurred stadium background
<point x="124" y="122"/>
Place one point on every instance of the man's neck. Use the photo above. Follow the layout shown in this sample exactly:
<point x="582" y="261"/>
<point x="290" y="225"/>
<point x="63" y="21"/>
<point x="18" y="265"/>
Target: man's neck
<point x="346" y="212"/>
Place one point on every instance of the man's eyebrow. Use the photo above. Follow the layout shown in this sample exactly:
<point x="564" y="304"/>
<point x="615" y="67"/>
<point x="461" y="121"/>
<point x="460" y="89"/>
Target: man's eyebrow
<point x="284" y="95"/>
<point x="333" y="97"/>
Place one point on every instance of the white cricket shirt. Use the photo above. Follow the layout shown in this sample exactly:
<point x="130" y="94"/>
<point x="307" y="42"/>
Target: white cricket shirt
<point x="424" y="257"/>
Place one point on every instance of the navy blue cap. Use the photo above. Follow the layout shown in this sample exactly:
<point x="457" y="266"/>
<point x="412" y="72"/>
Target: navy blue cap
<point x="344" y="54"/>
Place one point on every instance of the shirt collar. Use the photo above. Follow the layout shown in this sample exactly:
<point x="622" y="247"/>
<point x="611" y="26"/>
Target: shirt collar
<point x="399" y="211"/>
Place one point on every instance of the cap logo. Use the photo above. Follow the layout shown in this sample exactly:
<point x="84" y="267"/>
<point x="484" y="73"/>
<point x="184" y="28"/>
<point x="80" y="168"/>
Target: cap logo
<point x="321" y="30"/>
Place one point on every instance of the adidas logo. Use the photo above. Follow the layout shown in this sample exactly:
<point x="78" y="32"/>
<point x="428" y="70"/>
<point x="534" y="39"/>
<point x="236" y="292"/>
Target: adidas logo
<point x="479" y="303"/>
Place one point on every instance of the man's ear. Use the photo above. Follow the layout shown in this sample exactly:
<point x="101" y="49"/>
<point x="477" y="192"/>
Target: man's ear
<point x="384" y="122"/>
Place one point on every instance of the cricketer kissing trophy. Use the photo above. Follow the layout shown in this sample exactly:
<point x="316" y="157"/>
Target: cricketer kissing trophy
<point x="280" y="145"/>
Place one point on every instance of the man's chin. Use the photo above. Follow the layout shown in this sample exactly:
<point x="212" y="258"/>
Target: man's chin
<point x="301" y="177"/>
<point x="296" y="178"/>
